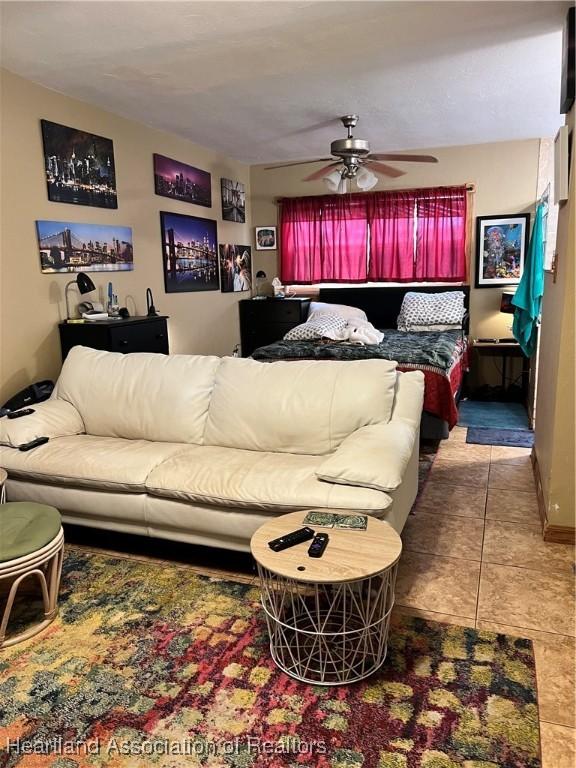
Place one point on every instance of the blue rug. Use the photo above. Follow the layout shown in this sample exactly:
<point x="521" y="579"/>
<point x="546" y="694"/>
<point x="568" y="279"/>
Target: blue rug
<point x="475" y="413"/>
<point x="515" y="438"/>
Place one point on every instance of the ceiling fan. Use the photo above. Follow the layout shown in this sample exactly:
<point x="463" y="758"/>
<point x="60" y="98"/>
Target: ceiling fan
<point x="355" y="161"/>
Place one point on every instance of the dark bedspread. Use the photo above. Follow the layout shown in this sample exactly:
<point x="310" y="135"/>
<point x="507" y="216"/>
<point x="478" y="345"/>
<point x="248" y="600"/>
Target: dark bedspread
<point x="437" y="349"/>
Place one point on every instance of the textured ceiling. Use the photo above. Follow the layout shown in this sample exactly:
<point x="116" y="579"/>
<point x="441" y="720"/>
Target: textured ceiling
<point x="265" y="81"/>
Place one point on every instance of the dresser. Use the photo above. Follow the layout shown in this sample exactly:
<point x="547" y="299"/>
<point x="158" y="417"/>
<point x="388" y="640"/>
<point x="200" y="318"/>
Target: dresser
<point x="134" y="334"/>
<point x="263" y="321"/>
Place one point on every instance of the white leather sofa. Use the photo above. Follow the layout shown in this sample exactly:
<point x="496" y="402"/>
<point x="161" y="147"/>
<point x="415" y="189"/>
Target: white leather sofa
<point x="204" y="449"/>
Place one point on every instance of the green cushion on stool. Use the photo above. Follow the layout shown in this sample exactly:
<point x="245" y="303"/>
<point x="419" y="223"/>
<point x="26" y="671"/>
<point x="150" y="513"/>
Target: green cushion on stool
<point x="26" y="527"/>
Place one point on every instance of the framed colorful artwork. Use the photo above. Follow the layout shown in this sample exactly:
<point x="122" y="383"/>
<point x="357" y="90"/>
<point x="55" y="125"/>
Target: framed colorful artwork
<point x="501" y="245"/>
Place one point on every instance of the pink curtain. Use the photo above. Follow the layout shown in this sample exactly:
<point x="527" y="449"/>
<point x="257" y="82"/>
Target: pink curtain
<point x="323" y="239"/>
<point x="300" y="240"/>
<point x="441" y="234"/>
<point x="391" y="223"/>
<point x="344" y="239"/>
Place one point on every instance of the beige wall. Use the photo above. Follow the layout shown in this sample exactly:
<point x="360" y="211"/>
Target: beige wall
<point x="32" y="303"/>
<point x="555" y="415"/>
<point x="505" y="176"/>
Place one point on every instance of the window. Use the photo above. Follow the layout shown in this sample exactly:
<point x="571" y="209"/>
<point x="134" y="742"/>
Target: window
<point x="406" y="236"/>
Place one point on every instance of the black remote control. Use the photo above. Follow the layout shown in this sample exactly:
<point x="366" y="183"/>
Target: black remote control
<point x="290" y="539"/>
<point x="33" y="444"/>
<point x="318" y="545"/>
<point x="18" y="414"/>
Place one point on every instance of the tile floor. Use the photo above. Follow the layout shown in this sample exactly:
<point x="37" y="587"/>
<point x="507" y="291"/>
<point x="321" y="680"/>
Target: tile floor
<point x="473" y="556"/>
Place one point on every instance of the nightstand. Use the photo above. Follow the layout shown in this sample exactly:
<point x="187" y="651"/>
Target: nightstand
<point x="263" y="321"/>
<point x="504" y="350"/>
<point x="134" y="334"/>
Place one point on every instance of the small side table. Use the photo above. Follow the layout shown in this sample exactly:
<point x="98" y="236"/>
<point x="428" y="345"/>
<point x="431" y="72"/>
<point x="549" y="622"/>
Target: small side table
<point x="328" y="617"/>
<point x="504" y="350"/>
<point x="3" y="478"/>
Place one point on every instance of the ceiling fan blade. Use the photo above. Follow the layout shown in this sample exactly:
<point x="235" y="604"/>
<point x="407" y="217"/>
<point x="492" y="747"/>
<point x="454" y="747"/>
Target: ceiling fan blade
<point x="300" y="162"/>
<point x="321" y="172"/>
<point x="385" y="170"/>
<point x="405" y="158"/>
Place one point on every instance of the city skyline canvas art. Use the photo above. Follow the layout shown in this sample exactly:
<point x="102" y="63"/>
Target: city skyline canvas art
<point x="79" y="166"/>
<point x="233" y="200"/>
<point x="235" y="268"/>
<point x="189" y="252"/>
<point x="67" y="246"/>
<point x="180" y="181"/>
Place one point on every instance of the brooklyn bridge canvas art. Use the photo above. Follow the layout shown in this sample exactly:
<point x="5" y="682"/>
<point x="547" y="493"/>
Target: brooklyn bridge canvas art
<point x="66" y="246"/>
<point x="190" y="254"/>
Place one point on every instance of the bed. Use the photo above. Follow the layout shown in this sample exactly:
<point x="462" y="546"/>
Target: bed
<point x="441" y="355"/>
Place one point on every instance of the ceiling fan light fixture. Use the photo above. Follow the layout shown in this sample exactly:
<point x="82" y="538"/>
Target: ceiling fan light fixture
<point x="333" y="180"/>
<point x="365" y="179"/>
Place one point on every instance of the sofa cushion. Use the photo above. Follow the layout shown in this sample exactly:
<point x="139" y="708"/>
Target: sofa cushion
<point x="84" y="461"/>
<point x="304" y="406"/>
<point x="256" y="480"/>
<point x="373" y="457"/>
<point x="139" y="396"/>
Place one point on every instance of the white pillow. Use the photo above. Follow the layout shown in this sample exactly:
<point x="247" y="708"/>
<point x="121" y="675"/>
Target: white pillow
<point x="420" y="309"/>
<point x="319" y="327"/>
<point x="322" y="308"/>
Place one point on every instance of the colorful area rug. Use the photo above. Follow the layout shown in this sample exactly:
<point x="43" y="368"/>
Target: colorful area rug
<point x="476" y="413"/>
<point x="151" y="665"/>
<point x="513" y="438"/>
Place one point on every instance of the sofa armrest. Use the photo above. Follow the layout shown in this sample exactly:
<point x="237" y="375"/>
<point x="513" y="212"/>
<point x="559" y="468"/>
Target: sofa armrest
<point x="372" y="457"/>
<point x="52" y="418"/>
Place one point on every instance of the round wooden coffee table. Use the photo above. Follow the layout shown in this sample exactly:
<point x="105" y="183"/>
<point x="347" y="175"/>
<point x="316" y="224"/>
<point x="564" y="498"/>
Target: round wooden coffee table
<point x="328" y="617"/>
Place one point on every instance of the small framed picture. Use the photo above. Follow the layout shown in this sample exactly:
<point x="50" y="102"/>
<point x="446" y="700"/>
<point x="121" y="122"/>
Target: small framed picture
<point x="265" y="238"/>
<point x="501" y="245"/>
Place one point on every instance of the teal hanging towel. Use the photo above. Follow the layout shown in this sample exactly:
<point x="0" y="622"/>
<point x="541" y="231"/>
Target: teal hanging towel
<point x="528" y="297"/>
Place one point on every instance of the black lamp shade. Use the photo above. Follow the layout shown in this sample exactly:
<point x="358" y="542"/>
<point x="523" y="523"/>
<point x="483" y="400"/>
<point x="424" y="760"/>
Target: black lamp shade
<point x="506" y="305"/>
<point x="85" y="284"/>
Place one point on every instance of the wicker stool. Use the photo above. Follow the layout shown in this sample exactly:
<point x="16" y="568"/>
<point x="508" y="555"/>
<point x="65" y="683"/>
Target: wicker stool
<point x="31" y="544"/>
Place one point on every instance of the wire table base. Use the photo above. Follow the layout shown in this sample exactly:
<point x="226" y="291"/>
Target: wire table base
<point x="328" y="634"/>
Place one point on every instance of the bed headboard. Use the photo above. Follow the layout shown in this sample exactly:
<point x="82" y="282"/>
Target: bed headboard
<point x="382" y="304"/>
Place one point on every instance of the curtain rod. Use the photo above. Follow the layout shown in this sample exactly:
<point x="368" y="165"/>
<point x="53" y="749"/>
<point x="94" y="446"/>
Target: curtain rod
<point x="469" y="188"/>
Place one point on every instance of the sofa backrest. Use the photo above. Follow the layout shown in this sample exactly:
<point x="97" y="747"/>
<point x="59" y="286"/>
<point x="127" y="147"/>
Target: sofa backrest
<point x="297" y="407"/>
<point x="142" y="396"/>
